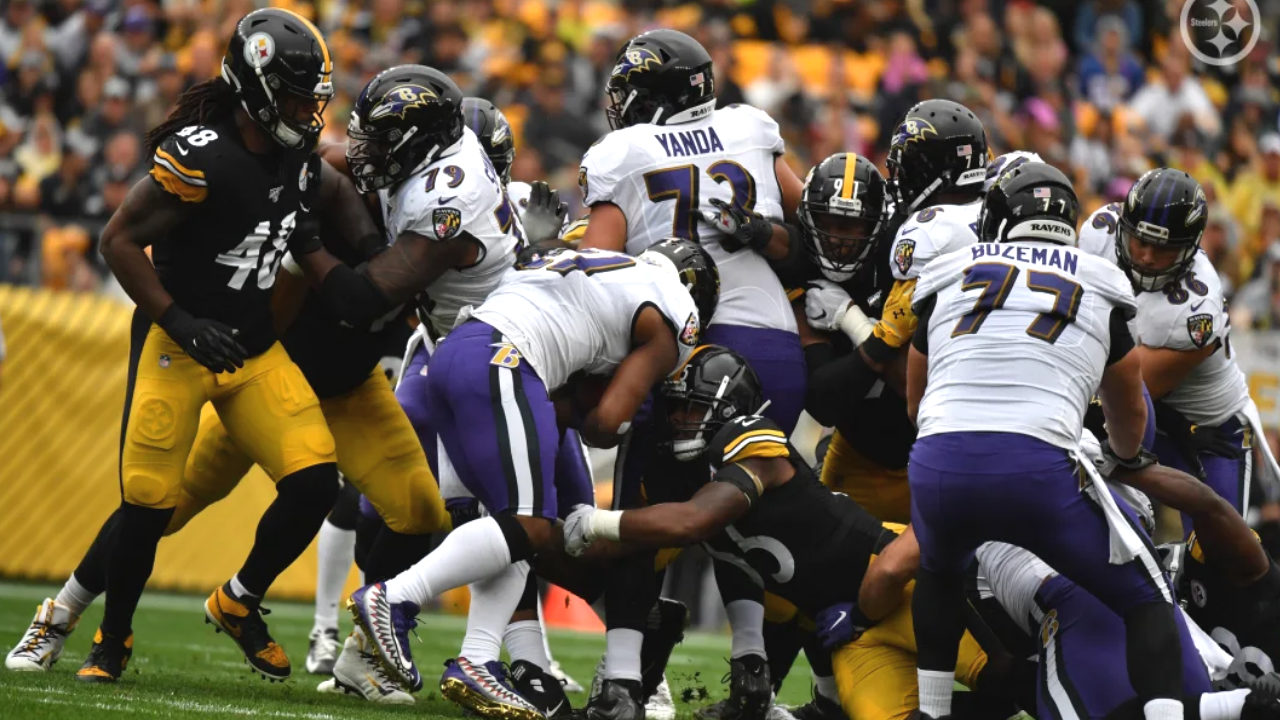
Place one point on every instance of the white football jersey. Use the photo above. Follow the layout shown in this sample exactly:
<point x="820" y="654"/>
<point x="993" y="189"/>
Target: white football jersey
<point x="663" y="177"/>
<point x="1018" y="339"/>
<point x="459" y="192"/>
<point x="574" y="311"/>
<point x="1188" y="314"/>
<point x="931" y="233"/>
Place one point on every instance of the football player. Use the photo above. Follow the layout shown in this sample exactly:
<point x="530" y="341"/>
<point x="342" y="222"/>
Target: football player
<point x="998" y="379"/>
<point x="1203" y="407"/>
<point x="489" y="388"/>
<point x="746" y="516"/>
<point x="232" y="175"/>
<point x="672" y="163"/>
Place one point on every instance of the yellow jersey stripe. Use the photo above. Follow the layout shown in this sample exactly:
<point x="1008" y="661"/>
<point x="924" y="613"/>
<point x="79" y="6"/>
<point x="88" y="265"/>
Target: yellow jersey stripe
<point x="734" y="450"/>
<point x="850" y="164"/>
<point x="177" y="167"/>
<point x="759" y="448"/>
<point x="796" y="294"/>
<point x="177" y="185"/>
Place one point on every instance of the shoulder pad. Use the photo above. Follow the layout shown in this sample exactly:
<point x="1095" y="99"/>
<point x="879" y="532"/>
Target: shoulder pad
<point x="747" y="437"/>
<point x="182" y="162"/>
<point x="602" y="168"/>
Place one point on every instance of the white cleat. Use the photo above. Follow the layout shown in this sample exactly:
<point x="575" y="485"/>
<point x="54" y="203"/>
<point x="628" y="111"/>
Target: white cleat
<point x="661" y="705"/>
<point x="323" y="651"/>
<point x="570" y="685"/>
<point x="358" y="671"/>
<point x="42" y="644"/>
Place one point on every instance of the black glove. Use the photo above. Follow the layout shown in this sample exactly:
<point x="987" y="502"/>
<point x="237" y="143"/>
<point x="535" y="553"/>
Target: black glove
<point x="208" y="342"/>
<point x="305" y="238"/>
<point x="750" y="691"/>
<point x="738" y="228"/>
<point x="544" y="216"/>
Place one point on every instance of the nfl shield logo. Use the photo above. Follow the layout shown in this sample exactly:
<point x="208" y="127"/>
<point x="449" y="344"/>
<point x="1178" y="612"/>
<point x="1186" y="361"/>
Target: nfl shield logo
<point x="1200" y="329"/>
<point x="165" y="360"/>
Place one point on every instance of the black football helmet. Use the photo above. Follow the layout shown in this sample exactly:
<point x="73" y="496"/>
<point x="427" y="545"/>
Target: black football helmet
<point x="1033" y="201"/>
<point x="939" y="146"/>
<point x="842" y="209"/>
<point x="696" y="269"/>
<point x="491" y="126"/>
<point x="1005" y="163"/>
<point x="714" y="386"/>
<point x="279" y="66"/>
<point x="662" y="77"/>
<point x="404" y="118"/>
<point x="1165" y="208"/>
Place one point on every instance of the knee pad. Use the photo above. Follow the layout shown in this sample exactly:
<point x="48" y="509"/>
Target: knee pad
<point x="517" y="538"/>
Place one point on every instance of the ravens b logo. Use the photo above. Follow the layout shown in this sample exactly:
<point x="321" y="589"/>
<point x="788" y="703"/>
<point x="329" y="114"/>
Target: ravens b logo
<point x="636" y="60"/>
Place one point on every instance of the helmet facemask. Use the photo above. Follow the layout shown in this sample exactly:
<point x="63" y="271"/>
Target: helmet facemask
<point x="1148" y="279"/>
<point x="371" y="155"/>
<point x="839" y="241"/>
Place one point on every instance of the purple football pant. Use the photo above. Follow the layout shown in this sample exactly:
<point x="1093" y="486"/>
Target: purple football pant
<point x="778" y="359"/>
<point x="970" y="487"/>
<point x="1228" y="476"/>
<point x="1083" y="670"/>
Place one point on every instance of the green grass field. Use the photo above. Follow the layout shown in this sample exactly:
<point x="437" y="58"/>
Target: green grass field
<point x="181" y="668"/>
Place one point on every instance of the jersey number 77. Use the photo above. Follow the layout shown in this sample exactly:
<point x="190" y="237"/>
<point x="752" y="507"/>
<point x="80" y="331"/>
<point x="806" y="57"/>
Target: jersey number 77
<point x="680" y="185"/>
<point x="997" y="281"/>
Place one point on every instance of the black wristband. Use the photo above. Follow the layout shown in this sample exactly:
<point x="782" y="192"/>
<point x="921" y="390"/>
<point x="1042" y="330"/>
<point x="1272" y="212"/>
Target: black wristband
<point x="878" y="350"/>
<point x="174" y="316"/>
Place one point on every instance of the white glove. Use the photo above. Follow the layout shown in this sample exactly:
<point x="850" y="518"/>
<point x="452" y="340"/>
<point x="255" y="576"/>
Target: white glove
<point x="577" y="530"/>
<point x="825" y="304"/>
<point x="829" y="308"/>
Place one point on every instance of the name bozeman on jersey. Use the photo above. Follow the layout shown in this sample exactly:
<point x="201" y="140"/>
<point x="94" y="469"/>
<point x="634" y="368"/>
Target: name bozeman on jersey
<point x="458" y="192"/>
<point x="1191" y="316"/>
<point x="663" y="177"/>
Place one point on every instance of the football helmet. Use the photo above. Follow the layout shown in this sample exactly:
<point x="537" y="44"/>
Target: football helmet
<point x="491" y="127"/>
<point x="715" y="386"/>
<point x="279" y="66"/>
<point x="1165" y="208"/>
<point x="662" y="77"/>
<point x="695" y="268"/>
<point x="406" y="117"/>
<point x="1006" y="162"/>
<point x="842" y="209"/>
<point x="1033" y="201"/>
<point x="939" y="146"/>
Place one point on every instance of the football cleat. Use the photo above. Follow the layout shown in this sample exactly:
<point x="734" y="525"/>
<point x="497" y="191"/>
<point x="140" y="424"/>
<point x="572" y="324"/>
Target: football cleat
<point x="542" y="689"/>
<point x="107" y="659"/>
<point x="750" y="692"/>
<point x="42" y="644"/>
<point x="664" y="626"/>
<point x="820" y="707"/>
<point x="618" y="700"/>
<point x="241" y="619"/>
<point x="359" y="671"/>
<point x="570" y="685"/>
<point x="660" y="705"/>
<point x="387" y="628"/>
<point x="322" y="651"/>
<point x="720" y="710"/>
<point x="484" y="689"/>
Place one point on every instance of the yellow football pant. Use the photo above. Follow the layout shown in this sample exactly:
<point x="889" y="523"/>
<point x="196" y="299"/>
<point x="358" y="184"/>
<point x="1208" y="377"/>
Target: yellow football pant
<point x="377" y="450"/>
<point x="876" y="674"/>
<point x="881" y="491"/>
<point x="267" y="406"/>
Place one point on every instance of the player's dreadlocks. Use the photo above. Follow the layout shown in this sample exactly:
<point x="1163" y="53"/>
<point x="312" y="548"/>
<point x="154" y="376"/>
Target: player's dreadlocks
<point x="201" y="104"/>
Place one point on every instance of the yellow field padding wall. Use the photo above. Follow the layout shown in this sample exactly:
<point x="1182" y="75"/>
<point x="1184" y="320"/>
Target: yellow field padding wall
<point x="61" y="395"/>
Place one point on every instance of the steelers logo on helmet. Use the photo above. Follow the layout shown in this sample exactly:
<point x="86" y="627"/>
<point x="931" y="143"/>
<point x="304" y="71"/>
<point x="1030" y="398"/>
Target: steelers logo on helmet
<point x="259" y="49"/>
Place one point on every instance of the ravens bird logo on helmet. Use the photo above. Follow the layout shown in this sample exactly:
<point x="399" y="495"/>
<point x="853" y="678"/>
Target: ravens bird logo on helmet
<point x="401" y="100"/>
<point x="637" y="60"/>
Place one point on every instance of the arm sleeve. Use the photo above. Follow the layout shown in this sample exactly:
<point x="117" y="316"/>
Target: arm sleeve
<point x="836" y="387"/>
<point x="795" y="269"/>
<point x="1121" y="340"/>
<point x="924" y="313"/>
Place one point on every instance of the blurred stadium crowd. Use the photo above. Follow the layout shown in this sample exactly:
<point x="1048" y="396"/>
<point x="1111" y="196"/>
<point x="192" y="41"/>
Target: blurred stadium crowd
<point x="1103" y="88"/>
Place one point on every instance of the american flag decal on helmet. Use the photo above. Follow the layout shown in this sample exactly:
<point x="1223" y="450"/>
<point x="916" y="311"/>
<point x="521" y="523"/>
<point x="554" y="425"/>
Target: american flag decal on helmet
<point x="697" y="79"/>
<point x="1042" y="192"/>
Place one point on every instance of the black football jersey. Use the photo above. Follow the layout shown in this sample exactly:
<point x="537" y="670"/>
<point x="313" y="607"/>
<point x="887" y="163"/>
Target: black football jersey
<point x="799" y="541"/>
<point x="1243" y="621"/>
<point x="221" y="262"/>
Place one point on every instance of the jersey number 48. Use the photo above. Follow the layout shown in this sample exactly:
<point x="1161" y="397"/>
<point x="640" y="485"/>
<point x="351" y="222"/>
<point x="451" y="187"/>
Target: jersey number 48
<point x="245" y="257"/>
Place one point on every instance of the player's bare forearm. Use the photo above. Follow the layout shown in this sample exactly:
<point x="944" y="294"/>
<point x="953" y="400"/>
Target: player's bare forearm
<point x="344" y="213"/>
<point x="287" y="298"/>
<point x="791" y="186"/>
<point x="1164" y="369"/>
<point x="917" y="374"/>
<point x="712" y="508"/>
<point x="1123" y="405"/>
<point x="413" y="262"/>
<point x="653" y="358"/>
<point x="887" y="576"/>
<point x="607" y="229"/>
<point x="146" y="216"/>
<point x="779" y="247"/>
<point x="1224" y="537"/>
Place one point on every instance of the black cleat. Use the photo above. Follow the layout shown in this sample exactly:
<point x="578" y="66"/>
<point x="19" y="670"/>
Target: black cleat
<point x="663" y="630"/>
<point x="618" y="700"/>
<point x="107" y="659"/>
<point x="242" y="620"/>
<point x="820" y="707"/>
<point x="541" y="689"/>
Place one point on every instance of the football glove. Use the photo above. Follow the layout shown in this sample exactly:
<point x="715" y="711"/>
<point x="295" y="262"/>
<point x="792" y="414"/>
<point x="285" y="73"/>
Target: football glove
<point x="1111" y="462"/>
<point x="898" y="322"/>
<point x="544" y="217"/>
<point x="840" y="624"/>
<point x="577" y="530"/>
<point x="738" y="228"/>
<point x="829" y="308"/>
<point x="208" y="342"/>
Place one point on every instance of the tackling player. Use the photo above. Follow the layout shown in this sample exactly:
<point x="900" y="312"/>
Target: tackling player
<point x="1017" y="334"/>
